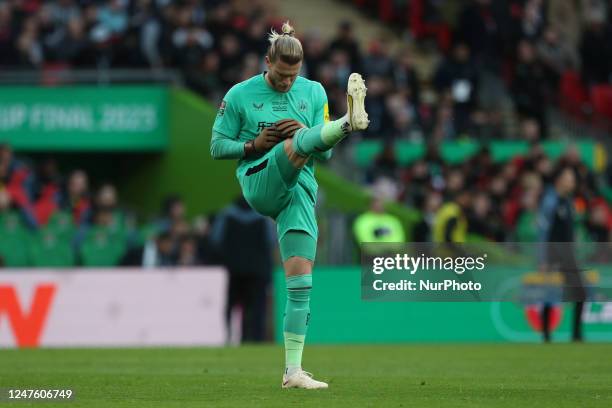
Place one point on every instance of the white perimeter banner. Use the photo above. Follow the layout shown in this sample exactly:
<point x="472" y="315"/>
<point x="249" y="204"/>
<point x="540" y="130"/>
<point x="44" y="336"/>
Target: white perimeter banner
<point x="112" y="307"/>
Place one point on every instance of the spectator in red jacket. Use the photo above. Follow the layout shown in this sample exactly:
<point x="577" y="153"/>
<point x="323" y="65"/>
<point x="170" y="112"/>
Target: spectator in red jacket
<point x="76" y="197"/>
<point x="16" y="178"/>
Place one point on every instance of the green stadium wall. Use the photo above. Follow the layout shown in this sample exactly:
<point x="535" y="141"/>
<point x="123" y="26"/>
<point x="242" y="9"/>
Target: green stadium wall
<point x="338" y="315"/>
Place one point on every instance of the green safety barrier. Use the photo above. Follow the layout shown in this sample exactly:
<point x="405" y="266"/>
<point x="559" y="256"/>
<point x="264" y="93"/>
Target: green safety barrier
<point x="456" y="152"/>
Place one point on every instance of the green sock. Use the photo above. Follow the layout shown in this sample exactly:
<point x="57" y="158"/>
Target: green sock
<point x="320" y="138"/>
<point x="335" y="131"/>
<point x="297" y="314"/>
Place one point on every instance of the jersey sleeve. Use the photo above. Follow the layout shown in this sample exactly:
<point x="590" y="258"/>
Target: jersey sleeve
<point x="226" y="129"/>
<point x="321" y="116"/>
<point x="223" y="147"/>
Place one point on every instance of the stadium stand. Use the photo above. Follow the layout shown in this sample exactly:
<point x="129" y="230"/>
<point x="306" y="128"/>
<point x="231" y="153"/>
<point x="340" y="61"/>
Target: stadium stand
<point x="45" y="220"/>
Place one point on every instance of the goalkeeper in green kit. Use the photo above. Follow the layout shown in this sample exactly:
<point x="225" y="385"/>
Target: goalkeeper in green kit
<point x="275" y="123"/>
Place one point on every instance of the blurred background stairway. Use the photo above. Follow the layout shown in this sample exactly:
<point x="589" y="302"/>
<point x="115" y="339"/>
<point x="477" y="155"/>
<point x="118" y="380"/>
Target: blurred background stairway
<point x="306" y="15"/>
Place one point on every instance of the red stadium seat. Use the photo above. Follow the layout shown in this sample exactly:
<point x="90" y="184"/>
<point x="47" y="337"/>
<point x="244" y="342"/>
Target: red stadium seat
<point x="601" y="98"/>
<point x="421" y="29"/>
<point x="385" y="10"/>
<point x="573" y="93"/>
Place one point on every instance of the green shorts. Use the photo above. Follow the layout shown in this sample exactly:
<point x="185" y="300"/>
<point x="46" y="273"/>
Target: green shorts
<point x="274" y="187"/>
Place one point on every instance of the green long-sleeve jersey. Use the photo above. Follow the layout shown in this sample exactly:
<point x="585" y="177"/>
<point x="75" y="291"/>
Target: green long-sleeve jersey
<point x="252" y="105"/>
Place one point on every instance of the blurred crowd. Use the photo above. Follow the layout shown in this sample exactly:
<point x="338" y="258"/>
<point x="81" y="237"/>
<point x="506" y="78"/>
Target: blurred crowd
<point x="212" y="42"/>
<point x="496" y="201"/>
<point x="52" y="219"/>
<point x="518" y="46"/>
<point x="490" y="48"/>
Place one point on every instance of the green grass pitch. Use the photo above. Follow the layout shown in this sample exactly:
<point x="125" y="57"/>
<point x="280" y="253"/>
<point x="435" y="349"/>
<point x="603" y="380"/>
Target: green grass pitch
<point x="409" y="375"/>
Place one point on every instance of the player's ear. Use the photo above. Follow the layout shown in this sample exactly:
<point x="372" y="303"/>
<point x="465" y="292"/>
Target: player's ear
<point x="268" y="62"/>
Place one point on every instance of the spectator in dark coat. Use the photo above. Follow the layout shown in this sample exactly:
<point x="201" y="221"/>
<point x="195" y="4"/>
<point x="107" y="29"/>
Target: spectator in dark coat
<point x="556" y="229"/>
<point x="406" y="78"/>
<point x="245" y="241"/>
<point x="481" y="27"/>
<point x="345" y="41"/>
<point x="596" y="50"/>
<point x="529" y="86"/>
<point x="458" y="76"/>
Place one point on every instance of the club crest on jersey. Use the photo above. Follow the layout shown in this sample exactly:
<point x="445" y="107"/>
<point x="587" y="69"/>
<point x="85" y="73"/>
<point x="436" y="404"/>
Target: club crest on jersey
<point x="222" y="106"/>
<point x="258" y="106"/>
<point x="302" y="106"/>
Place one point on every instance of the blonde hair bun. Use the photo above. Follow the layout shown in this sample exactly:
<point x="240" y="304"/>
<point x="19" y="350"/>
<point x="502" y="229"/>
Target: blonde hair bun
<point x="284" y="45"/>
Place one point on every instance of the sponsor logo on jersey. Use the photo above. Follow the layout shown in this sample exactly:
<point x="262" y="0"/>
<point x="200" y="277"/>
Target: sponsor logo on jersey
<point x="279" y="106"/>
<point x="262" y="125"/>
<point x="258" y="106"/>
